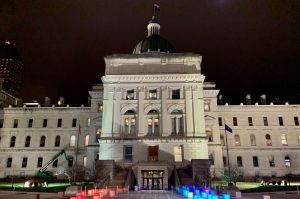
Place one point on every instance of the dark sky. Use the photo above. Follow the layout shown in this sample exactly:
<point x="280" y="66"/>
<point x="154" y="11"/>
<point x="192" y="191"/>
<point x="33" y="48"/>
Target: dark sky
<point x="247" y="46"/>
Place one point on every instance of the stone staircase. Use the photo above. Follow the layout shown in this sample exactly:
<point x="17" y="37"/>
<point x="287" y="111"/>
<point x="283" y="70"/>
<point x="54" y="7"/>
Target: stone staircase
<point x="119" y="179"/>
<point x="184" y="177"/>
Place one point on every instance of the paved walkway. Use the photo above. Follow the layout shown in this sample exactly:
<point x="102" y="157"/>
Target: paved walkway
<point x="143" y="195"/>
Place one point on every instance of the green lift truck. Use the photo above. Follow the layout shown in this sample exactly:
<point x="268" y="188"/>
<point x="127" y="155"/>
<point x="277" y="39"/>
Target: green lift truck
<point x="42" y="176"/>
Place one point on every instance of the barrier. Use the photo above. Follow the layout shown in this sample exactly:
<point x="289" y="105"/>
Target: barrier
<point x="266" y="197"/>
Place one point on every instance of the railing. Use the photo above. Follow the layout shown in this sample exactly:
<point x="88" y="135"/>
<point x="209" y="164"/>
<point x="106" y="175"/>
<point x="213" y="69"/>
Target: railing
<point x="130" y="179"/>
<point x="177" y="181"/>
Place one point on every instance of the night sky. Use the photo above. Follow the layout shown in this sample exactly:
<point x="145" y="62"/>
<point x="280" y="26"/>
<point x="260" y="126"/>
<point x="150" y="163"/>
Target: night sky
<point x="247" y="46"/>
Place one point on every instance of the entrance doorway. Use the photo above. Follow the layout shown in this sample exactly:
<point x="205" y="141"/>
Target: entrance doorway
<point x="153" y="179"/>
<point x="153" y="153"/>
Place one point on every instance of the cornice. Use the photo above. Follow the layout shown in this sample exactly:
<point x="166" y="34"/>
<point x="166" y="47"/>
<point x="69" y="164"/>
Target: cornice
<point x="194" y="78"/>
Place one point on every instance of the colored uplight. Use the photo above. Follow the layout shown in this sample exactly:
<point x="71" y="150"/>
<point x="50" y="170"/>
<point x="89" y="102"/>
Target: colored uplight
<point x="226" y="196"/>
<point x="204" y="194"/>
<point x="185" y="193"/>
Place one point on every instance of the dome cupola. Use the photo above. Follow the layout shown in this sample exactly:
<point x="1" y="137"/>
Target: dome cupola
<point x="154" y="43"/>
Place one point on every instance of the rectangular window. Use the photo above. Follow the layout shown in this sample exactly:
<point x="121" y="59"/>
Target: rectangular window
<point x="153" y="94"/>
<point x="271" y="161"/>
<point x="250" y="122"/>
<point x="74" y="122"/>
<point x="296" y="121"/>
<point x="239" y="161"/>
<point x="59" y="122"/>
<point x="70" y="162"/>
<point x="100" y="107"/>
<point x="255" y="161"/>
<point x="178" y="153"/>
<point x="280" y="120"/>
<point x="24" y="162"/>
<point x="88" y="122"/>
<point x="9" y="162"/>
<point x="40" y="162"/>
<point x="45" y="121"/>
<point x="235" y="123"/>
<point x="284" y="140"/>
<point x="86" y="141"/>
<point x="16" y="121"/>
<point x="127" y="153"/>
<point x="265" y="119"/>
<point x="211" y="159"/>
<point x="1" y="123"/>
<point x="176" y="94"/>
<point x="30" y="122"/>
<point x="55" y="163"/>
<point x="287" y="161"/>
<point x="130" y="94"/>
<point x="220" y="121"/>
<point x="225" y="161"/>
<point x="84" y="161"/>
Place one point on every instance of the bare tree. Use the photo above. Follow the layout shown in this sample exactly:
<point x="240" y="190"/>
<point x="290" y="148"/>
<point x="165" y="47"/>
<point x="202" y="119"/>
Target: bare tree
<point x="233" y="176"/>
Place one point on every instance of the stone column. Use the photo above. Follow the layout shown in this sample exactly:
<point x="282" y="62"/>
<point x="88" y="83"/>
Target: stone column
<point x="140" y="121"/>
<point x="189" y="111"/>
<point x="117" y="116"/>
<point x="198" y="114"/>
<point x="108" y="110"/>
<point x="165" y="130"/>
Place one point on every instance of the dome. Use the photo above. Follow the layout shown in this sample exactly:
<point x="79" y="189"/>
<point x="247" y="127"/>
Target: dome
<point x="154" y="43"/>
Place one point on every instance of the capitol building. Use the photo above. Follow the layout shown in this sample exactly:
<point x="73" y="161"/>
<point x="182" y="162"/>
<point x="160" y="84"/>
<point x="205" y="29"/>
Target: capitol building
<point x="153" y="121"/>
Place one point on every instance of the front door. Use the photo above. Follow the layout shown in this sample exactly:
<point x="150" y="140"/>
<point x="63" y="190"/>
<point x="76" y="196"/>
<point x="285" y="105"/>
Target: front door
<point x="153" y="179"/>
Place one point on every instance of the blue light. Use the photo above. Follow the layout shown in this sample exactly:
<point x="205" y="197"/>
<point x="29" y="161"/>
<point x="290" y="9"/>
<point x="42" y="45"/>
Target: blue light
<point x="226" y="196"/>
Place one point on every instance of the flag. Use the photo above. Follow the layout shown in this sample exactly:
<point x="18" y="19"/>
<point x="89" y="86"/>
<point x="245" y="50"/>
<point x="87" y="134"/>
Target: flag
<point x="228" y="129"/>
<point x="79" y="129"/>
<point x="156" y="7"/>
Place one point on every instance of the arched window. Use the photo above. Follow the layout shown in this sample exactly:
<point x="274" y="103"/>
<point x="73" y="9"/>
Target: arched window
<point x="98" y="134"/>
<point x="209" y="134"/>
<point x="239" y="160"/>
<point x="153" y="122"/>
<point x="72" y="140"/>
<point x="129" y="122"/>
<point x="287" y="161"/>
<point x="252" y="140"/>
<point x="237" y="140"/>
<point x="12" y="141"/>
<point x="57" y="141"/>
<point x="177" y="122"/>
<point x="27" y="141"/>
<point x="42" y="141"/>
<point x="268" y="140"/>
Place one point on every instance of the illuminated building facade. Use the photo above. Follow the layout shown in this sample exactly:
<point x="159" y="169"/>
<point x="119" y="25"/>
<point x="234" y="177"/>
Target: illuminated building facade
<point x="156" y="122"/>
<point x="11" y="66"/>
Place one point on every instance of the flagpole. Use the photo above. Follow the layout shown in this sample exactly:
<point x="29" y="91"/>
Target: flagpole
<point x="227" y="150"/>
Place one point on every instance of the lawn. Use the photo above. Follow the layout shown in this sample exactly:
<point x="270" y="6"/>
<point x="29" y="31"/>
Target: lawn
<point x="52" y="187"/>
<point x="256" y="187"/>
